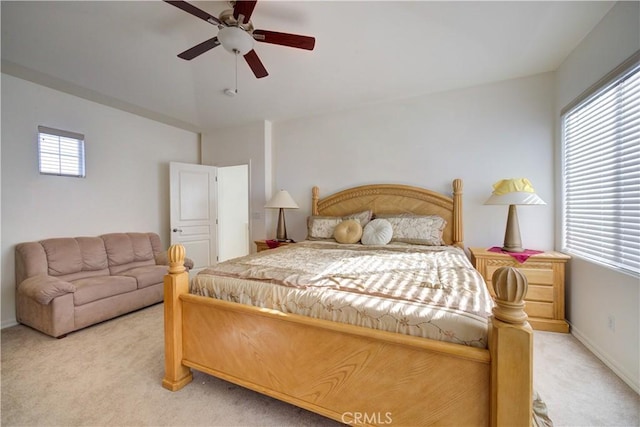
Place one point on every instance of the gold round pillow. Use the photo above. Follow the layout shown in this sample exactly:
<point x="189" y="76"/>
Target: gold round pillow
<point x="348" y="231"/>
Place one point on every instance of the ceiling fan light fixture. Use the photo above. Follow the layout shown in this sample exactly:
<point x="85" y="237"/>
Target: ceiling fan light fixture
<point x="235" y="40"/>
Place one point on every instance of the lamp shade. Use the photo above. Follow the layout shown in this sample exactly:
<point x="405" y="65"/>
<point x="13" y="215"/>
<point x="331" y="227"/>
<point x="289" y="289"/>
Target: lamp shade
<point x="281" y="199"/>
<point x="514" y="191"/>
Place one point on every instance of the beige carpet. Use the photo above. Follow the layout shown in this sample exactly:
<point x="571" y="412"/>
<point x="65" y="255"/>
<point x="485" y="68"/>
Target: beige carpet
<point x="110" y="375"/>
<point x="578" y="389"/>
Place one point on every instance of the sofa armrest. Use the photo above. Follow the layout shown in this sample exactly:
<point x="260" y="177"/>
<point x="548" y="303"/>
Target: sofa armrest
<point x="163" y="259"/>
<point x="44" y="288"/>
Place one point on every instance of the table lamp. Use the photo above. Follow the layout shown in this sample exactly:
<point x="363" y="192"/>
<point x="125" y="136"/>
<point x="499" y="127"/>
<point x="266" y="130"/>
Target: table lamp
<point x="281" y="200"/>
<point x="512" y="192"/>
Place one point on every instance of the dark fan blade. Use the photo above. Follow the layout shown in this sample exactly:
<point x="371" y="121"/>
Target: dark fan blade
<point x="197" y="50"/>
<point x="195" y="11"/>
<point x="284" y="39"/>
<point x="255" y="64"/>
<point x="244" y="8"/>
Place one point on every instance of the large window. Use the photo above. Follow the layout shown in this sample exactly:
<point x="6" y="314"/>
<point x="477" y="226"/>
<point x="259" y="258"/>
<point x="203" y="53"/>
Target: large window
<point x="60" y="152"/>
<point x="601" y="171"/>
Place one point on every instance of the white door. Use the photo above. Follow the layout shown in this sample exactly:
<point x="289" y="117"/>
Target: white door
<point x="233" y="211"/>
<point x="193" y="217"/>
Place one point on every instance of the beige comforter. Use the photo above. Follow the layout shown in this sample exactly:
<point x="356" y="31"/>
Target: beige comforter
<point x="426" y="291"/>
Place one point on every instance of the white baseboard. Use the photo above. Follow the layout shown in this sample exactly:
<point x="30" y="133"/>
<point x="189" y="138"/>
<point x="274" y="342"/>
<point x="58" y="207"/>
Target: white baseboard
<point x="8" y="323"/>
<point x="602" y="355"/>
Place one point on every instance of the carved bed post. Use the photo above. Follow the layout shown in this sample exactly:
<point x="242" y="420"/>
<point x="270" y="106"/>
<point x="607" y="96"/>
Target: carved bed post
<point x="457" y="236"/>
<point x="511" y="347"/>
<point x="176" y="282"/>
<point x="315" y="196"/>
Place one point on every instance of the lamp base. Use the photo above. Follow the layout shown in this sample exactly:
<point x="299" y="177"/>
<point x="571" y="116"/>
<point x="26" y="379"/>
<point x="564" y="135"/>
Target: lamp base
<point x="512" y="241"/>
<point x="281" y="232"/>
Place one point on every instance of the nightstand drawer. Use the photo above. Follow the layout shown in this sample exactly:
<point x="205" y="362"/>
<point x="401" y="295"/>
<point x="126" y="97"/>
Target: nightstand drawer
<point x="541" y="276"/>
<point x="539" y="309"/>
<point x="534" y="292"/>
<point x="539" y="293"/>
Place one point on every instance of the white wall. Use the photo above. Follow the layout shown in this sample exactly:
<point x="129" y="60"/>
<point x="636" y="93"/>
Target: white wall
<point x="593" y="292"/>
<point x="481" y="134"/>
<point x="127" y="163"/>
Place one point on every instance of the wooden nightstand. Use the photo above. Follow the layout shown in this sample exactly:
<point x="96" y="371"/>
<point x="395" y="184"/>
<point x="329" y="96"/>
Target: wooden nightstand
<point x="545" y="274"/>
<point x="261" y="245"/>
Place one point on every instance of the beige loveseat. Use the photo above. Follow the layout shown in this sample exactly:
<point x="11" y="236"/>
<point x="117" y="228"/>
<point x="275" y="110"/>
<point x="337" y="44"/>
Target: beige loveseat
<point x="65" y="284"/>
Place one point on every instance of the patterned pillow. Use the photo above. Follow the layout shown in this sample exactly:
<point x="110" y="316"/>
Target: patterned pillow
<point x="348" y="231"/>
<point x="417" y="229"/>
<point x="377" y="232"/>
<point x="322" y="227"/>
<point x="364" y="217"/>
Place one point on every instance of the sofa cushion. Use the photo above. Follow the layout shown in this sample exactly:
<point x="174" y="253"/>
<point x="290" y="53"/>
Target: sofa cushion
<point x="63" y="256"/>
<point x="74" y="255"/>
<point x="128" y="250"/>
<point x="94" y="254"/>
<point x="98" y="287"/>
<point x="147" y="275"/>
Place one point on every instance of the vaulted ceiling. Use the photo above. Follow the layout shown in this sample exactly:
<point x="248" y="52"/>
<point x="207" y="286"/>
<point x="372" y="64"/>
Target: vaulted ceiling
<point x="124" y="53"/>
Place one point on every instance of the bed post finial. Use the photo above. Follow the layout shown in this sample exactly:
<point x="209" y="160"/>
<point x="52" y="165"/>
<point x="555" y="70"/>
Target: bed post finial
<point x="458" y="235"/>
<point x="511" y="348"/>
<point x="315" y="196"/>
<point x="176" y="255"/>
<point x="510" y="286"/>
<point x="176" y="282"/>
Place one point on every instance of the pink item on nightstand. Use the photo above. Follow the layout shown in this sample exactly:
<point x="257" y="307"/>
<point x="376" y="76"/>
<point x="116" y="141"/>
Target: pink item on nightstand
<point x="519" y="256"/>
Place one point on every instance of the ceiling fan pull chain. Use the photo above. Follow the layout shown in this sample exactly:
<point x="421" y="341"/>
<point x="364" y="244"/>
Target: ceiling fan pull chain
<point x="237" y="71"/>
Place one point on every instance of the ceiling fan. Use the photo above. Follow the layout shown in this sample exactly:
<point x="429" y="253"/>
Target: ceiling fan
<point x="237" y="34"/>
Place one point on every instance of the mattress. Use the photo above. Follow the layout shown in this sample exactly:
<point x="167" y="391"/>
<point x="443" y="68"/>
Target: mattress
<point x="425" y="291"/>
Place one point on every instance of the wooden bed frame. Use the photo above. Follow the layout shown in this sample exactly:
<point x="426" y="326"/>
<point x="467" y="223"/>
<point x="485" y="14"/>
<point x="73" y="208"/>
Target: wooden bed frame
<point x="357" y="375"/>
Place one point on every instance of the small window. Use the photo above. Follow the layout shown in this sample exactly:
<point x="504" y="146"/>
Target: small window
<point x="60" y="152"/>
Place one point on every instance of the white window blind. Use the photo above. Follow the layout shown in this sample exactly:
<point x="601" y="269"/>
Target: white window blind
<point x="60" y="152"/>
<point x="601" y="172"/>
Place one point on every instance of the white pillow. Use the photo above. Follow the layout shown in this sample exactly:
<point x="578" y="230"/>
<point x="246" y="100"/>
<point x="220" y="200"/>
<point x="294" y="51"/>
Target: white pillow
<point x="377" y="232"/>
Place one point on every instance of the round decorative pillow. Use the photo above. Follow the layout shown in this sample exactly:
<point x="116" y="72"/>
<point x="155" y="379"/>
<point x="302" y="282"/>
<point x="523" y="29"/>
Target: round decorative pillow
<point x="348" y="231"/>
<point x="377" y="232"/>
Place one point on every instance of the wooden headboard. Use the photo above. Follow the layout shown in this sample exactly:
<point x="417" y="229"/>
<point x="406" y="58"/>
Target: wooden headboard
<point x="396" y="198"/>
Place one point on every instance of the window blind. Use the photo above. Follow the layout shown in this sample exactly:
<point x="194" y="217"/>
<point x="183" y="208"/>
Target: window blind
<point x="601" y="174"/>
<point x="60" y="152"/>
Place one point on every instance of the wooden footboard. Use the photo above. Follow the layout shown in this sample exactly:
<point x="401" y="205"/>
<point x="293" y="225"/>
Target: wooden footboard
<point x="351" y="374"/>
